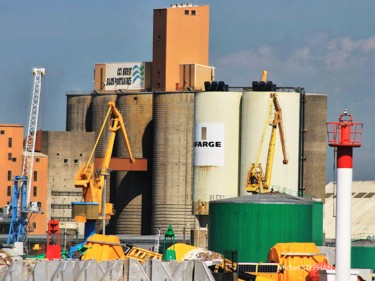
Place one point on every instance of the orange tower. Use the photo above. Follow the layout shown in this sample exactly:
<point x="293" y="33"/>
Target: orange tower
<point x="180" y="37"/>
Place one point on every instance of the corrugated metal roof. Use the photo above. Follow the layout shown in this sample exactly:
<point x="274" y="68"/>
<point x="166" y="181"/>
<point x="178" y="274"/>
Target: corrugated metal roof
<point x="363" y="206"/>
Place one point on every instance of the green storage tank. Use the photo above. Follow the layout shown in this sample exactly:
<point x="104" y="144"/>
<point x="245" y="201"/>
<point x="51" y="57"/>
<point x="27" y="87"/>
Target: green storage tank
<point x="251" y="225"/>
<point x="363" y="257"/>
<point x="317" y="223"/>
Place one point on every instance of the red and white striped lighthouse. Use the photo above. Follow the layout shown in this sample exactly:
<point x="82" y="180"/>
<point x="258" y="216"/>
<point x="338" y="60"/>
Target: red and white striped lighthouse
<point x="344" y="134"/>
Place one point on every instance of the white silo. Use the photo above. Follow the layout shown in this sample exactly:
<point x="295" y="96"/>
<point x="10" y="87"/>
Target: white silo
<point x="216" y="147"/>
<point x="255" y="106"/>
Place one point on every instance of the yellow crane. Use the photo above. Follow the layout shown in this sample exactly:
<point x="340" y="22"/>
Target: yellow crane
<point x="93" y="182"/>
<point x="258" y="181"/>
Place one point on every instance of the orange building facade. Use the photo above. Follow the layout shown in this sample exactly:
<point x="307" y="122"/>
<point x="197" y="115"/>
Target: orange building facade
<point x="180" y="37"/>
<point x="11" y="161"/>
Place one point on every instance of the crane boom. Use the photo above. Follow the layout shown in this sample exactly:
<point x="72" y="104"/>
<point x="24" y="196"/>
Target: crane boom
<point x="28" y="160"/>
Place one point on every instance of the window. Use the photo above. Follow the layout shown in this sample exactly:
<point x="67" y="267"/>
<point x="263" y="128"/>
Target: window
<point x="75" y="161"/>
<point x="9" y="156"/>
<point x="35" y="175"/>
<point x="10" y="142"/>
<point x="9" y="175"/>
<point x="14" y="159"/>
<point x="204" y="133"/>
<point x="9" y="190"/>
<point x="2" y="132"/>
<point x="35" y="191"/>
<point x="80" y="154"/>
<point x="37" y="160"/>
<point x="34" y="225"/>
<point x="66" y="161"/>
<point x="186" y="12"/>
<point x="193" y="12"/>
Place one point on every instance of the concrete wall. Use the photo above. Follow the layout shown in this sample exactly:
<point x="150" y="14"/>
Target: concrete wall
<point x="67" y="152"/>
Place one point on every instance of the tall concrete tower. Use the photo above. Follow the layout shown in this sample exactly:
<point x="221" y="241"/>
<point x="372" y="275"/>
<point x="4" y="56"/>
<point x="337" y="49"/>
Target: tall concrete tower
<point x="180" y="37"/>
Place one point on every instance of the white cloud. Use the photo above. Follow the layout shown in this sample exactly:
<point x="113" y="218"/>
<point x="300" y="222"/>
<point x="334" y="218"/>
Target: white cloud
<point x="343" y="68"/>
<point x="328" y="56"/>
<point x="369" y="44"/>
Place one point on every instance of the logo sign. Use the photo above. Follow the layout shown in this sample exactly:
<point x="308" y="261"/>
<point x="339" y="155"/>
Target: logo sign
<point x="126" y="76"/>
<point x="209" y="144"/>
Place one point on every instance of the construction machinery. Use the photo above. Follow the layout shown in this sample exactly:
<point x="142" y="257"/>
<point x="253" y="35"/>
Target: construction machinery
<point x="285" y="262"/>
<point x="22" y="184"/>
<point x="93" y="182"/>
<point x="258" y="181"/>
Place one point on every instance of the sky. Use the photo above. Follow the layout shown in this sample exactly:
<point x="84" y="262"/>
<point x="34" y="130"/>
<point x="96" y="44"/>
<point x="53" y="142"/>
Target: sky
<point x="326" y="47"/>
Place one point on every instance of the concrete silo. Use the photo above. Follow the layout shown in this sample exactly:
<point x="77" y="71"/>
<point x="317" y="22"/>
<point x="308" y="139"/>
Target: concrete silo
<point x="172" y="166"/>
<point x="132" y="189"/>
<point x="78" y="113"/>
<point x="255" y="106"/>
<point x="216" y="153"/>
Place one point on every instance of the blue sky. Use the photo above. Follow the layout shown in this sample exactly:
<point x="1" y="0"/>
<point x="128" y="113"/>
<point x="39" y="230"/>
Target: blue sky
<point x="324" y="46"/>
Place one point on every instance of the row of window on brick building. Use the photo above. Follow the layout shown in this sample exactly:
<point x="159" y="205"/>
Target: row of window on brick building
<point x="9" y="191"/>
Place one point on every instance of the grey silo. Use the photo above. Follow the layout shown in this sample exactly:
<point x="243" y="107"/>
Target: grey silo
<point x="132" y="194"/>
<point x="172" y="166"/>
<point x="78" y="113"/>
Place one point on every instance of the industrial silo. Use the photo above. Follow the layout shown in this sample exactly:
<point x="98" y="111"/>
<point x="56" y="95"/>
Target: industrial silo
<point x="252" y="224"/>
<point x="315" y="145"/>
<point x="78" y="115"/>
<point x="216" y="149"/>
<point x="172" y="167"/>
<point x="255" y="109"/>
<point x="132" y="190"/>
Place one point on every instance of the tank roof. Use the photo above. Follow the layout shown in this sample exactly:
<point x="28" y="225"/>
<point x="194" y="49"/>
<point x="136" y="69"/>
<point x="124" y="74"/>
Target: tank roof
<point x="265" y="198"/>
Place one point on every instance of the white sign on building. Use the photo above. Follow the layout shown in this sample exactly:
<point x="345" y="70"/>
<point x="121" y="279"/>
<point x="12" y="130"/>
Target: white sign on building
<point x="209" y="146"/>
<point x="125" y="76"/>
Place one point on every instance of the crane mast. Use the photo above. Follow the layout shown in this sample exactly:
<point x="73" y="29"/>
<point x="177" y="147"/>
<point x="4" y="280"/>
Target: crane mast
<point x="28" y="160"/>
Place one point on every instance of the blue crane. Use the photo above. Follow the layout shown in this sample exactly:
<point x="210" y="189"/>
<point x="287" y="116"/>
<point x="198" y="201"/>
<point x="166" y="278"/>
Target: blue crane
<point x="22" y="184"/>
